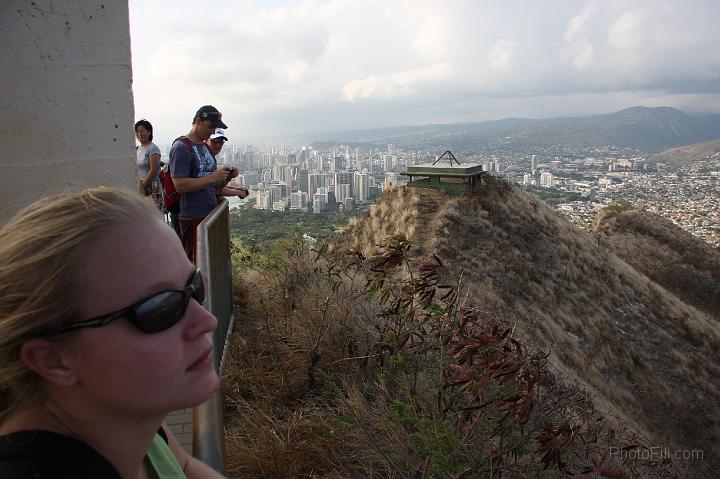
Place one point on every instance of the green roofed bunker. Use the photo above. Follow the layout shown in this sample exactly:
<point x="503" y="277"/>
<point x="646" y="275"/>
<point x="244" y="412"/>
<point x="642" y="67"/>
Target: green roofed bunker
<point x="452" y="176"/>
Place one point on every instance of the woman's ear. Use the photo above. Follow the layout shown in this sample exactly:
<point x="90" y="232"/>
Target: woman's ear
<point x="47" y="360"/>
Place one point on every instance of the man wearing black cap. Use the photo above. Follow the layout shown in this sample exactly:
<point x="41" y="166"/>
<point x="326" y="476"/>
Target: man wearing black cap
<point x="195" y="174"/>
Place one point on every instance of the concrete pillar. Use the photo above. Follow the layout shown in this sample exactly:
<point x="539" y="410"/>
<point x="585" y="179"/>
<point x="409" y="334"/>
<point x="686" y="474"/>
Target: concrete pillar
<point x="66" y="108"/>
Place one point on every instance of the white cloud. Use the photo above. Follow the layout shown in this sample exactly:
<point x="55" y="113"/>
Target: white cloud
<point x="501" y="55"/>
<point x="579" y="50"/>
<point x="284" y="66"/>
<point x="628" y="31"/>
<point x="394" y="85"/>
<point x="578" y="25"/>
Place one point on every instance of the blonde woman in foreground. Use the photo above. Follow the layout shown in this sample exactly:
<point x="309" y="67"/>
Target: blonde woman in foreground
<point x="102" y="334"/>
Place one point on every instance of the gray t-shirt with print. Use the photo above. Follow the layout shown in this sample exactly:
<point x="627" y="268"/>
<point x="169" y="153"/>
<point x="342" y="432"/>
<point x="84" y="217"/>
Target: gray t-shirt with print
<point x="195" y="163"/>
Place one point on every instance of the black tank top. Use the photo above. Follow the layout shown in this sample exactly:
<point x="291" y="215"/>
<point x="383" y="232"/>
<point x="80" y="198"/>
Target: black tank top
<point x="48" y="455"/>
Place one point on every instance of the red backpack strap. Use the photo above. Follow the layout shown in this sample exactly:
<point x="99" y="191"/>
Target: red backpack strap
<point x="185" y="140"/>
<point x="195" y="165"/>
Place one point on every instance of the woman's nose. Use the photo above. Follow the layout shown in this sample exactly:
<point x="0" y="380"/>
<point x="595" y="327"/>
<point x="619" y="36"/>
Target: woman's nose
<point x="199" y="320"/>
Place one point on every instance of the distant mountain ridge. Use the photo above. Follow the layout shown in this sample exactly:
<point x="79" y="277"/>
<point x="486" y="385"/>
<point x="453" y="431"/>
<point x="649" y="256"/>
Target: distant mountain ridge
<point x="642" y="128"/>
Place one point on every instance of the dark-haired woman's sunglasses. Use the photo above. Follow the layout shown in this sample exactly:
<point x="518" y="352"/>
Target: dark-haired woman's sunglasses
<point x="157" y="313"/>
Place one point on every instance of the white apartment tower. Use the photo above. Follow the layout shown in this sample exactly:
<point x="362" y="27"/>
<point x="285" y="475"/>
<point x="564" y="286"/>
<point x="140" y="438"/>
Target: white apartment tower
<point x="361" y="186"/>
<point x="342" y="191"/>
<point x="388" y="163"/>
<point x="546" y="179"/>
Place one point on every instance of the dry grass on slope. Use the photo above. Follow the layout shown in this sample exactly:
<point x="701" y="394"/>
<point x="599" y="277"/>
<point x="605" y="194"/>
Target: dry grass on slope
<point x="646" y="356"/>
<point x="687" y="266"/>
<point x="352" y="367"/>
<point x="296" y="316"/>
<point x="414" y="213"/>
<point x="642" y="351"/>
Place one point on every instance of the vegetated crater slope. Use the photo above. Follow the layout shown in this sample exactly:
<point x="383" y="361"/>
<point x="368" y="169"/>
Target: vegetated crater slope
<point x="665" y="253"/>
<point x="647" y="356"/>
<point x="684" y="154"/>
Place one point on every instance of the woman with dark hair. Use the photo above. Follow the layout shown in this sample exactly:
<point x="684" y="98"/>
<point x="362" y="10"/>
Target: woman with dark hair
<point x="99" y="343"/>
<point x="148" y="162"/>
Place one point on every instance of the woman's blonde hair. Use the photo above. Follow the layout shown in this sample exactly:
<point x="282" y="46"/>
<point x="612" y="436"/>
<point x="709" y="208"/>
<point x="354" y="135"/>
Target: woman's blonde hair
<point x="41" y="265"/>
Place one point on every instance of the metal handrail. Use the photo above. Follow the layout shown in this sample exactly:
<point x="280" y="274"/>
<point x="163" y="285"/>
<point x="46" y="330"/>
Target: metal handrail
<point x="213" y="259"/>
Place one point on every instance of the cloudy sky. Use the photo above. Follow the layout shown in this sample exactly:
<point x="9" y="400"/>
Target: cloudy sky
<point x="278" y="67"/>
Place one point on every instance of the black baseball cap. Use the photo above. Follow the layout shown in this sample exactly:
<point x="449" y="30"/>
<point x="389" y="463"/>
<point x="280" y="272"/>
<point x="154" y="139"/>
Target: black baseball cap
<point x="209" y="112"/>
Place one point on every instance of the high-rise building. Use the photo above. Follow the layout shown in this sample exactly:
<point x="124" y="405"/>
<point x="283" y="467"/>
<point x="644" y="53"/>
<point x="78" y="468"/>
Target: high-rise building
<point x="533" y="164"/>
<point x="275" y="193"/>
<point x="388" y="163"/>
<point x="247" y="161"/>
<point x="278" y="172"/>
<point x="289" y="178"/>
<point x="315" y="181"/>
<point x="298" y="201"/>
<point x="337" y="164"/>
<point x="326" y="163"/>
<point x="361" y="185"/>
<point x="342" y="191"/>
<point x="266" y="160"/>
<point x="319" y="203"/>
<point x="323" y="191"/>
<point x="546" y="179"/>
<point x="261" y="200"/>
<point x="248" y="179"/>
<point x="302" y="181"/>
<point x="344" y="178"/>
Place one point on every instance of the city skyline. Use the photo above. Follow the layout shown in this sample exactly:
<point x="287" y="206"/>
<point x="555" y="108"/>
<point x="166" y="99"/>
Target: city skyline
<point x="285" y="67"/>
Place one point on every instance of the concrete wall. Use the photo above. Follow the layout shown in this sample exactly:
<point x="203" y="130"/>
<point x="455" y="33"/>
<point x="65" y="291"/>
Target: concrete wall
<point x="66" y="104"/>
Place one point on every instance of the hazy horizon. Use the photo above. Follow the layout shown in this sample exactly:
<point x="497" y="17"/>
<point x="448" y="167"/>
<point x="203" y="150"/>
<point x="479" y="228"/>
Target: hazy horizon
<point x="279" y="69"/>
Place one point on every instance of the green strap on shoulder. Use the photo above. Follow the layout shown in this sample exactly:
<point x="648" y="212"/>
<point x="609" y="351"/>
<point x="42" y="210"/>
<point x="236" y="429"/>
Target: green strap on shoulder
<point x="164" y="463"/>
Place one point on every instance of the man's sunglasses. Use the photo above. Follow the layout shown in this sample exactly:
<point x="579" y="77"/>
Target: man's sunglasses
<point x="156" y="313"/>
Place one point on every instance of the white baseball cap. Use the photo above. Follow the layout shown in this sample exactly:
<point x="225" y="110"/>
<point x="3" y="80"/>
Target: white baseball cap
<point x="218" y="133"/>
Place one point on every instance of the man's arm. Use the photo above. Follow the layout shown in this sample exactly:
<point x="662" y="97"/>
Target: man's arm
<point x="187" y="184"/>
<point x="233" y="191"/>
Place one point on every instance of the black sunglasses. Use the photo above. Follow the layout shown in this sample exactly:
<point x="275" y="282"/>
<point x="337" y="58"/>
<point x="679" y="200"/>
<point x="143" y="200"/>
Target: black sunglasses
<point x="156" y="313"/>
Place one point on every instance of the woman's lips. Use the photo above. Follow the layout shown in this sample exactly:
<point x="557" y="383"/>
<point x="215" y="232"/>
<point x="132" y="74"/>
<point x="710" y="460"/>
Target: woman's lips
<point x="204" y="360"/>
